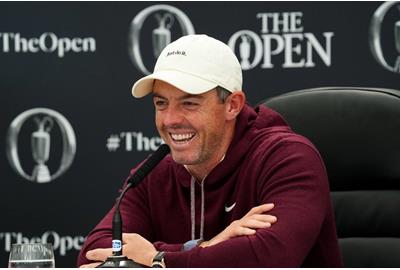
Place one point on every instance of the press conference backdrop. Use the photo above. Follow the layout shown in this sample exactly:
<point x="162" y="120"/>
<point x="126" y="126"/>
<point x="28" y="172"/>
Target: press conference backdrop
<point x="70" y="130"/>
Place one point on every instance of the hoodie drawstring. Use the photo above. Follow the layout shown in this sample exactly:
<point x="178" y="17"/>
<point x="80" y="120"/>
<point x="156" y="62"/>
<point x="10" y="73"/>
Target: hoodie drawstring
<point x="193" y="209"/>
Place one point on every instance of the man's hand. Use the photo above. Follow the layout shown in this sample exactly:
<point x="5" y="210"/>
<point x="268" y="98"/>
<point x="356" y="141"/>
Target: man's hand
<point x="99" y="255"/>
<point x="142" y="251"/>
<point x="247" y="225"/>
<point x="135" y="247"/>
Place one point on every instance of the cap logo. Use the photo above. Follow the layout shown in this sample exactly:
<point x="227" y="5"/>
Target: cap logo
<point x="176" y="53"/>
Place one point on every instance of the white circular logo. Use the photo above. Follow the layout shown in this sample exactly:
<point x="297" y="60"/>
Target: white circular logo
<point x="165" y="17"/>
<point x="375" y="37"/>
<point x="45" y="121"/>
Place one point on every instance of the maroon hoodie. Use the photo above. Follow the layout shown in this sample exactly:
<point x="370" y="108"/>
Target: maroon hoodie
<point x="265" y="163"/>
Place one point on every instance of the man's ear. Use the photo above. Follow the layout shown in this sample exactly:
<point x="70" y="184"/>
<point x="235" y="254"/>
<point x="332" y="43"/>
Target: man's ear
<point x="234" y="104"/>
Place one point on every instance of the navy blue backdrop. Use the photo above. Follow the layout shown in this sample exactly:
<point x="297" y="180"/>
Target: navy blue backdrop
<point x="70" y="130"/>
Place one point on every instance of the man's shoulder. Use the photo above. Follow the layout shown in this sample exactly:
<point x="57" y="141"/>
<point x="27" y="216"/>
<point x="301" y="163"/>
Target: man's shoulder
<point x="277" y="139"/>
<point x="280" y="135"/>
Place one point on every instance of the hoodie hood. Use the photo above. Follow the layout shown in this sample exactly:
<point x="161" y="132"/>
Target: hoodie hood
<point x="250" y="125"/>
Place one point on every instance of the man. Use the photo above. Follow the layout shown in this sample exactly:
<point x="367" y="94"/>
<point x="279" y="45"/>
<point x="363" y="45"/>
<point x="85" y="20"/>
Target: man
<point x="228" y="163"/>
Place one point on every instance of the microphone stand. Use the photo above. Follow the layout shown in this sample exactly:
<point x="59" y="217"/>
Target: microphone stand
<point x="117" y="260"/>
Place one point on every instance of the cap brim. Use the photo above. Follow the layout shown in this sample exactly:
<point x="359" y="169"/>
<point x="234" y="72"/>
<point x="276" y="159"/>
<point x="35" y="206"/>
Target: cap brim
<point x="183" y="81"/>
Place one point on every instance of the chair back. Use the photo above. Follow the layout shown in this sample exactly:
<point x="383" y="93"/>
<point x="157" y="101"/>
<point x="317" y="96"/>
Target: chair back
<point x="357" y="132"/>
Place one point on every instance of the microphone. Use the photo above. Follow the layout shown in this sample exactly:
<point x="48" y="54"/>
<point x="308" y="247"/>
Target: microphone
<point x="117" y="260"/>
<point x="149" y="165"/>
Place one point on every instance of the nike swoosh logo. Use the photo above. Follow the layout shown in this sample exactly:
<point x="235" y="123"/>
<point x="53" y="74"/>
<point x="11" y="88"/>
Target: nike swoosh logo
<point x="229" y="208"/>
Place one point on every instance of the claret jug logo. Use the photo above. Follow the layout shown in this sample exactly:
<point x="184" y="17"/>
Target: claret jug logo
<point x="384" y="36"/>
<point x="157" y="26"/>
<point x="44" y="122"/>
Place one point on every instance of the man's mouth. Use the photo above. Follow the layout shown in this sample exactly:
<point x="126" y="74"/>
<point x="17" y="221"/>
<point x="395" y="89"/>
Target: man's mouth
<point x="182" y="137"/>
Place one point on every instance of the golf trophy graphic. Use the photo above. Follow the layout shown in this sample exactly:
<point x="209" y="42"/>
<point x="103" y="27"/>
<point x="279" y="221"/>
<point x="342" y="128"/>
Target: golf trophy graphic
<point x="40" y="141"/>
<point x="161" y="36"/>
<point x="244" y="51"/>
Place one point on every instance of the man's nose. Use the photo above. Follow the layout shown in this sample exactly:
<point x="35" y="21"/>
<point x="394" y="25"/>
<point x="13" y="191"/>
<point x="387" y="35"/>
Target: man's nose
<point x="173" y="116"/>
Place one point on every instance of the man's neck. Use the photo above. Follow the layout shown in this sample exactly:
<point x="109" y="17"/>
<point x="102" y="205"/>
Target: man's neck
<point x="201" y="172"/>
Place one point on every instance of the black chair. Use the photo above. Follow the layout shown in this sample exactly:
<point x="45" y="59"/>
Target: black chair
<point x="357" y="131"/>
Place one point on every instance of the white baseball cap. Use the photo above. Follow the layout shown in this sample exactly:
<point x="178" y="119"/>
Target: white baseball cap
<point x="194" y="64"/>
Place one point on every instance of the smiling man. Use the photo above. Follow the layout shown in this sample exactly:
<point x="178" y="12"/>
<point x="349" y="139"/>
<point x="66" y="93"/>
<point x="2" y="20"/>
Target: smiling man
<point x="193" y="127"/>
<point x="240" y="188"/>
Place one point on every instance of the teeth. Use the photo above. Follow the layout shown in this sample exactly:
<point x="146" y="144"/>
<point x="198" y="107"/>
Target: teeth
<point x="182" y="137"/>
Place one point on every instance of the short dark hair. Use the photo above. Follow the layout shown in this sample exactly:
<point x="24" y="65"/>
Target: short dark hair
<point x="222" y="93"/>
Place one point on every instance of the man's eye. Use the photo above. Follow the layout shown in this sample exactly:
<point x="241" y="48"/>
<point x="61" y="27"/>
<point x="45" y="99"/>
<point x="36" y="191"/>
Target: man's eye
<point x="160" y="104"/>
<point x="190" y="104"/>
